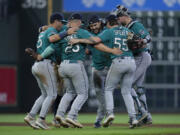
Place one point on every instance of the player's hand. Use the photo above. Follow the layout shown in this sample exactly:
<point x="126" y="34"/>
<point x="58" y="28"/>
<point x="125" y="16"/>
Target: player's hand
<point x="31" y="52"/>
<point x="43" y="28"/>
<point x="140" y="43"/>
<point x="116" y="51"/>
<point x="71" y="31"/>
<point x="39" y="57"/>
<point x="73" y="41"/>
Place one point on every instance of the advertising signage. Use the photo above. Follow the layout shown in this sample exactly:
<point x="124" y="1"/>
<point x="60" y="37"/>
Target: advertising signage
<point x="108" y="5"/>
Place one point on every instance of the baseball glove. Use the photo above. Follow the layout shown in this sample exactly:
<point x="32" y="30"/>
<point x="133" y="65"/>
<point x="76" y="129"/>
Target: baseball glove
<point x="134" y="42"/>
<point x="31" y="52"/>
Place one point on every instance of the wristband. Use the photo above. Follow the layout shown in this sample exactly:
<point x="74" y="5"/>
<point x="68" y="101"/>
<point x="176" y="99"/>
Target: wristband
<point x="63" y="34"/>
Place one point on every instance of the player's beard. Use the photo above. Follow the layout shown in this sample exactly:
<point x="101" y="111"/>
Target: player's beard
<point x="96" y="31"/>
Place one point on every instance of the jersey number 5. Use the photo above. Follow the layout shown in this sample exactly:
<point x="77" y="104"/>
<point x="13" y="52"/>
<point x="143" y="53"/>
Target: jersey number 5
<point x="39" y="42"/>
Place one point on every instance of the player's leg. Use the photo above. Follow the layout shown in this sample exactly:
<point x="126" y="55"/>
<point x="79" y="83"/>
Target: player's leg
<point x="113" y="78"/>
<point x="38" y="103"/>
<point x="142" y="97"/>
<point x="56" y="104"/>
<point x="137" y="75"/>
<point x="67" y="97"/>
<point x="99" y="81"/>
<point x="51" y="90"/>
<point x="143" y="63"/>
<point x="140" y="108"/>
<point x="60" y="92"/>
<point x="30" y="118"/>
<point x="80" y="82"/>
<point x="126" y="84"/>
<point x="141" y="112"/>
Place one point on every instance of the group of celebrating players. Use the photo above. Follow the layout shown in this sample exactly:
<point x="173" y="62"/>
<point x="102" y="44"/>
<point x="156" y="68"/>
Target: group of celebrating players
<point x="119" y="56"/>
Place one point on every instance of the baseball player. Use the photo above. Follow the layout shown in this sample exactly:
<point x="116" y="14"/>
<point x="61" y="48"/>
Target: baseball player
<point x="100" y="65"/>
<point x="121" y="70"/>
<point x="142" y="59"/>
<point x="45" y="75"/>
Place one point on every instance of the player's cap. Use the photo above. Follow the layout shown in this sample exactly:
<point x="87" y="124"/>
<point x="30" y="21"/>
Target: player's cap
<point x="121" y="11"/>
<point x="57" y="16"/>
<point x="75" y="16"/>
<point x="94" y="19"/>
<point x="111" y="18"/>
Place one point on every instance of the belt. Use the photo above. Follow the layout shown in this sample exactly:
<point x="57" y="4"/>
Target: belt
<point x="124" y="57"/>
<point x="52" y="62"/>
<point x="72" y="61"/>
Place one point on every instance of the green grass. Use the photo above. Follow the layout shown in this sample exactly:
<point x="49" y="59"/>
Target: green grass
<point x="88" y="131"/>
<point x="89" y="118"/>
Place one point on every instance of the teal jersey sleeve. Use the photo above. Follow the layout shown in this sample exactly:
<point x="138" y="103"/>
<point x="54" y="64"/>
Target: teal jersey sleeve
<point x="84" y="33"/>
<point x="47" y="52"/>
<point x="52" y="31"/>
<point x="105" y="36"/>
<point x="139" y="30"/>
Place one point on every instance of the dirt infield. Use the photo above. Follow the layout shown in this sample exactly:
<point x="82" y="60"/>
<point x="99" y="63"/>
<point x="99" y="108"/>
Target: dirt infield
<point x="91" y="124"/>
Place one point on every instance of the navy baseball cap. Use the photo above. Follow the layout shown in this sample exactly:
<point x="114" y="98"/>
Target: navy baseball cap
<point x="75" y="16"/>
<point x="94" y="19"/>
<point x="57" y="16"/>
<point x="111" y="18"/>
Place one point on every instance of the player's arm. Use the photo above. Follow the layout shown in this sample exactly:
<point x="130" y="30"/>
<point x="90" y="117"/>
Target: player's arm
<point x="143" y="33"/>
<point x="61" y="35"/>
<point x="90" y="41"/>
<point x="47" y="52"/>
<point x="104" y="48"/>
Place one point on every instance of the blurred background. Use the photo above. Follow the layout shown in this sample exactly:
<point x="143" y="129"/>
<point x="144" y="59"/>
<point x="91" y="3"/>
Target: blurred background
<point x="19" y="23"/>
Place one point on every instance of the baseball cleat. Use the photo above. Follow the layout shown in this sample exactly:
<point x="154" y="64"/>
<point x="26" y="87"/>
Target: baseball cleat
<point x="133" y="123"/>
<point x="144" y="115"/>
<point x="42" y="124"/>
<point x="147" y="121"/>
<point x="97" y="124"/>
<point x="56" y="123"/>
<point x="31" y="122"/>
<point x="108" y="121"/>
<point x="62" y="121"/>
<point x="74" y="123"/>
